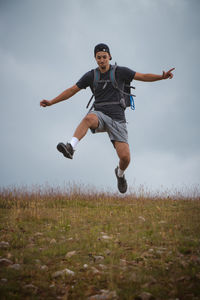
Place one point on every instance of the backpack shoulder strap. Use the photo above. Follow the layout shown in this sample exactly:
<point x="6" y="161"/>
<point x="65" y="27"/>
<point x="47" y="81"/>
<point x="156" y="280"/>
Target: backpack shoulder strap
<point x="96" y="78"/>
<point x="112" y="75"/>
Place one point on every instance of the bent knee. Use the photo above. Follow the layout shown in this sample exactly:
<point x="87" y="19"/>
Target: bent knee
<point x="91" y="120"/>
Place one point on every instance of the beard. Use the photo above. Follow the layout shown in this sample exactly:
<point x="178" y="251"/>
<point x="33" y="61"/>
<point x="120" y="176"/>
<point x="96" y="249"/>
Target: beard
<point x="102" y="66"/>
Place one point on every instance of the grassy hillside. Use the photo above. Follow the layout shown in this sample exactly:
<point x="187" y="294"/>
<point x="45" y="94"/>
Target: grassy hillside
<point x="90" y="245"/>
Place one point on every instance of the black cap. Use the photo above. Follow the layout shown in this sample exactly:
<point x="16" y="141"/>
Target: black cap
<point x="101" y="47"/>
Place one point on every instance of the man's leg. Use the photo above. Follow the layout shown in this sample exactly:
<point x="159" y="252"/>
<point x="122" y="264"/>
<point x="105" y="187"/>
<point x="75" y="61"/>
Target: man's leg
<point x="124" y="160"/>
<point x="90" y="121"/>
<point x="123" y="153"/>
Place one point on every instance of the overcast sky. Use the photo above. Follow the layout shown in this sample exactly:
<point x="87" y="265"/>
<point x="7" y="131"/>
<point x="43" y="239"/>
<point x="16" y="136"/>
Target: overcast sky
<point x="47" y="45"/>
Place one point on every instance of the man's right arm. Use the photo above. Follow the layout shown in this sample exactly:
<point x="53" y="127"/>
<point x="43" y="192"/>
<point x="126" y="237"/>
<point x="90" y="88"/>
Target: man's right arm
<point x="63" y="96"/>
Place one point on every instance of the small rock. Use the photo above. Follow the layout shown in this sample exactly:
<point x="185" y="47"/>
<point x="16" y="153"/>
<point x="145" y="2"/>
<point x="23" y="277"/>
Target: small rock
<point x="103" y="267"/>
<point x="95" y="271"/>
<point x="85" y="266"/>
<point x="63" y="272"/>
<point x="70" y="254"/>
<point x="142" y="218"/>
<point x="145" y="296"/>
<point x="5" y="262"/>
<point x="57" y="274"/>
<point x="159" y="252"/>
<point x="106" y="237"/>
<point x="151" y="250"/>
<point x="98" y="257"/>
<point x="38" y="234"/>
<point x="104" y="295"/>
<point x="110" y="294"/>
<point x="107" y="252"/>
<point x="69" y="272"/>
<point x="162" y="248"/>
<point x="122" y="262"/>
<point x="44" y="267"/>
<point x="53" y="241"/>
<point x="15" y="267"/>
<point x="38" y="261"/>
<point x="31" y="287"/>
<point x="4" y="244"/>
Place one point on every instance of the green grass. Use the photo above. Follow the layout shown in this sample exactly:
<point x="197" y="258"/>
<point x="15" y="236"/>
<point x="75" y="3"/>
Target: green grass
<point x="152" y="245"/>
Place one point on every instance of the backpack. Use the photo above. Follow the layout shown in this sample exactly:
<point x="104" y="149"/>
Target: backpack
<point x="125" y="98"/>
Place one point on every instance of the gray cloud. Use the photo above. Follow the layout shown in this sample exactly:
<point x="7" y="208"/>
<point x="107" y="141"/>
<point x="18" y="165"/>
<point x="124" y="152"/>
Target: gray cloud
<point x="47" y="46"/>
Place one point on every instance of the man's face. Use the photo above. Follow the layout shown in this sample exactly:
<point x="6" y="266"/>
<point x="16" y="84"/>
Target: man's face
<point x="103" y="59"/>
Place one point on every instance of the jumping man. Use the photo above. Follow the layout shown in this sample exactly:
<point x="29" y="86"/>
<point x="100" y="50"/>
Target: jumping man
<point x="107" y="115"/>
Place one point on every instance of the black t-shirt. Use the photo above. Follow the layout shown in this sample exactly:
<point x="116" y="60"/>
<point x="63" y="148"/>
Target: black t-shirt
<point x="107" y="92"/>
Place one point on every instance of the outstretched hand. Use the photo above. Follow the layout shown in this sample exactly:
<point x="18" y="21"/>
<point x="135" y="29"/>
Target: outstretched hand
<point x="168" y="74"/>
<point x="45" y="103"/>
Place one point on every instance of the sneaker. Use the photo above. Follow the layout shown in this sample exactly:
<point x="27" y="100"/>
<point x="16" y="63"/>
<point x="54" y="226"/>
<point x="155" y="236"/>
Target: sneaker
<point x="121" y="182"/>
<point x="66" y="150"/>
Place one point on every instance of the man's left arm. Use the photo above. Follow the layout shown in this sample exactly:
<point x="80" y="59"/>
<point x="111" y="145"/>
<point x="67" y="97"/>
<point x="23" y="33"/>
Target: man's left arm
<point x="153" y="77"/>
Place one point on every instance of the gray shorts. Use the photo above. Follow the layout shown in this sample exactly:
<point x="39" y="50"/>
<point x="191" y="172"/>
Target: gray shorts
<point x="116" y="130"/>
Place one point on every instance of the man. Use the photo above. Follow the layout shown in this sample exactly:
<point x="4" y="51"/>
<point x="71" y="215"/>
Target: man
<point x="108" y="115"/>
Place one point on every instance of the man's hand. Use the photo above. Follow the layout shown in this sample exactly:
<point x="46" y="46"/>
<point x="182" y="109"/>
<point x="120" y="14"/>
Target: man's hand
<point x="45" y="103"/>
<point x="168" y="74"/>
